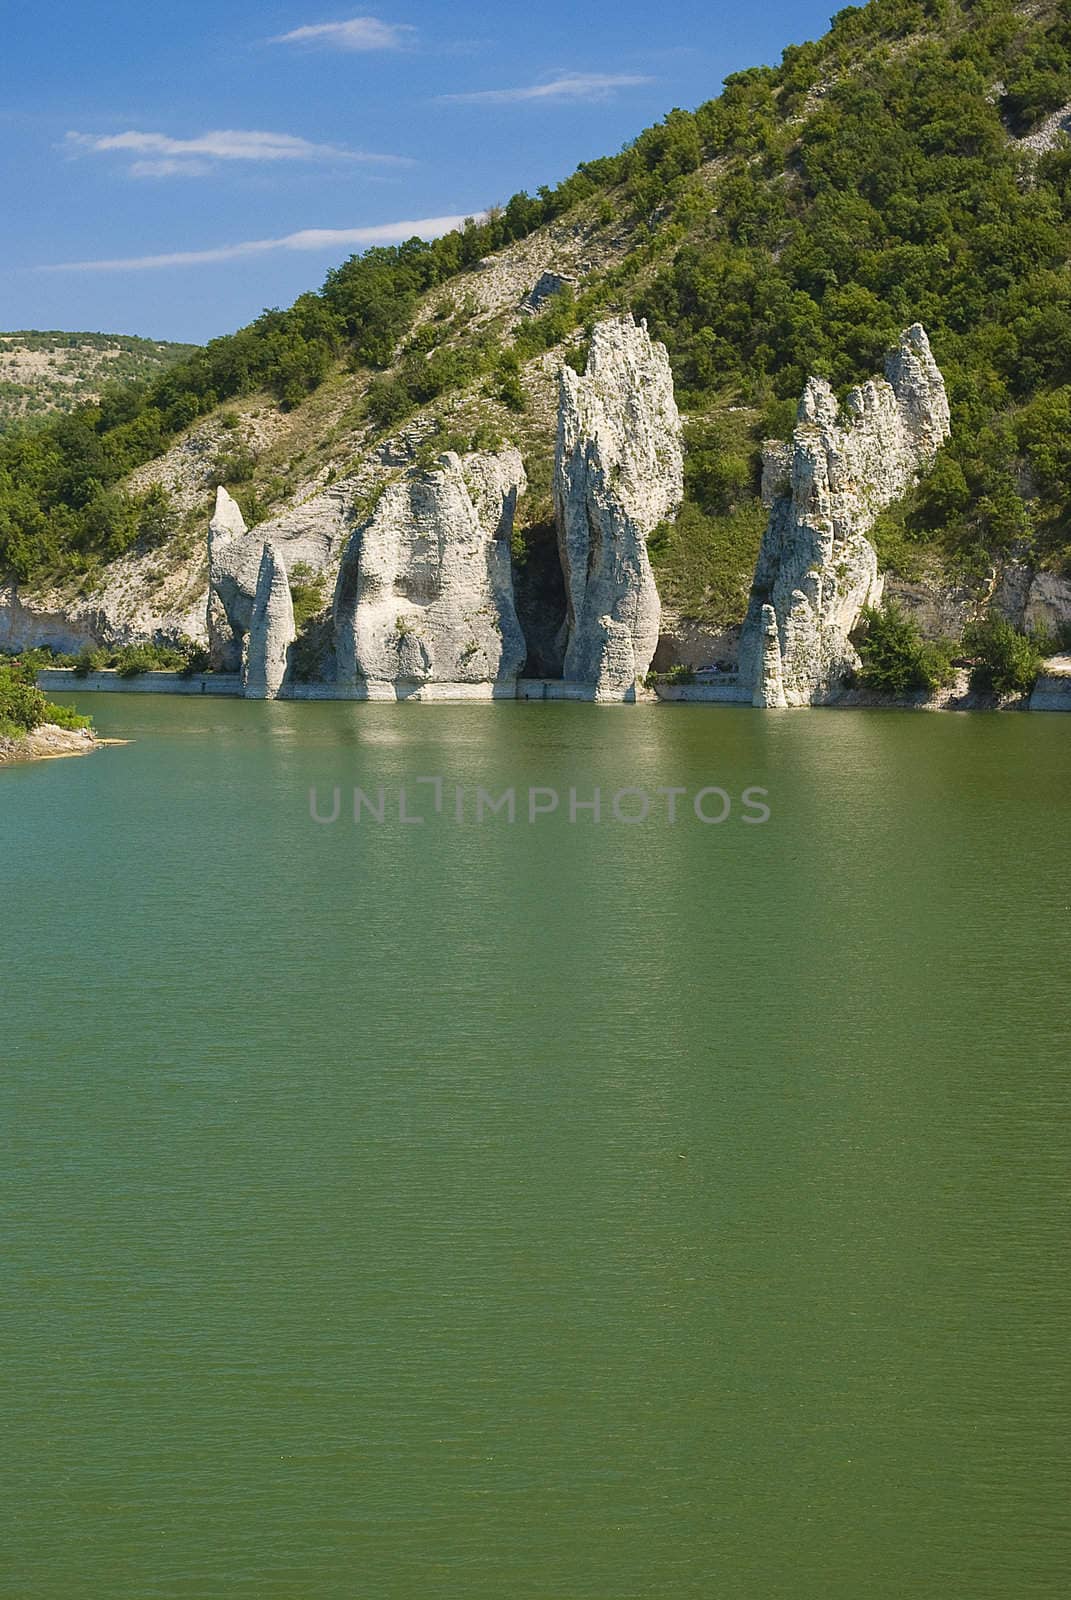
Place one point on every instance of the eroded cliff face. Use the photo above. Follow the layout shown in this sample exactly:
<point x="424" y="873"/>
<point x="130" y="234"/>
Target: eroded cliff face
<point x="425" y="589"/>
<point x="618" y="473"/>
<point x="141" y="595"/>
<point x="271" y="629"/>
<point x="816" y="568"/>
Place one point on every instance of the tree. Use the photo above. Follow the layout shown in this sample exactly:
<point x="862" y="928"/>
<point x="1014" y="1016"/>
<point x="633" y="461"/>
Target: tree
<point x="896" y="659"/>
<point x="1006" y="661"/>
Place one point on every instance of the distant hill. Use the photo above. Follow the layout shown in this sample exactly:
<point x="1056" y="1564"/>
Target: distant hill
<point x="46" y="372"/>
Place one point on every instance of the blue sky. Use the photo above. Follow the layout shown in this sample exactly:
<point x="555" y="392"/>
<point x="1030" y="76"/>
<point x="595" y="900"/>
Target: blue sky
<point x="169" y="170"/>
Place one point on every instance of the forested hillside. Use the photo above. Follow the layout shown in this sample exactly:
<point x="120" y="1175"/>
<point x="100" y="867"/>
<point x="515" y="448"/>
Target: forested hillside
<point x="908" y="166"/>
<point x="41" y="373"/>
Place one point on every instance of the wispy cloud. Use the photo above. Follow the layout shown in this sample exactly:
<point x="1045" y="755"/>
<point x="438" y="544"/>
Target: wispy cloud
<point x="357" y="33"/>
<point x="566" y="86"/>
<point x="307" y="239"/>
<point x="160" y="156"/>
<point x="170" y="167"/>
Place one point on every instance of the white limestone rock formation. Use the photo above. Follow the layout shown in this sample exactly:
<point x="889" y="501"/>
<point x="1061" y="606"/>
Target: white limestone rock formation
<point x="776" y="470"/>
<point x="816" y="568"/>
<point x="1032" y="599"/>
<point x="312" y="534"/>
<point x="271" y="629"/>
<point x="230" y="598"/>
<point x="425" y="588"/>
<point x="1052" y="692"/>
<point x="770" y="691"/>
<point x="619" y="472"/>
<point x="547" y="285"/>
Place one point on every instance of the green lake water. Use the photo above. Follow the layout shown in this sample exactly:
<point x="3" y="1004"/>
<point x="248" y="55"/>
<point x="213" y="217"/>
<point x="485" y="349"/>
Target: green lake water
<point x="546" y="1211"/>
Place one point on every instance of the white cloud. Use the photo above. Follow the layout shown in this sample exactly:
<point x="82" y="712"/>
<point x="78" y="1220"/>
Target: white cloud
<point x="160" y="156"/>
<point x="357" y="33"/>
<point x="566" y="86"/>
<point x="326" y="239"/>
<point x="169" y="167"/>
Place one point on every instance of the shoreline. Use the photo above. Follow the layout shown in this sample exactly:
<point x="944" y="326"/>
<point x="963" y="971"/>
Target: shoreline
<point x="47" y="742"/>
<point x="1051" y="693"/>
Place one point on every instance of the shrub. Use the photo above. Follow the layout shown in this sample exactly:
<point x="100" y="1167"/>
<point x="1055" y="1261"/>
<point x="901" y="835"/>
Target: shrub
<point x="134" y="659"/>
<point x="157" y="518"/>
<point x="186" y="656"/>
<point x="1033" y="93"/>
<point x="896" y="659"/>
<point x="23" y="707"/>
<point x="236" y="467"/>
<point x="198" y="659"/>
<point x="65" y="717"/>
<point x="897" y="553"/>
<point x="679" y="674"/>
<point x="510" y="392"/>
<point x="41" y="658"/>
<point x="1006" y="661"/>
<point x="386" y="402"/>
<point x="312" y="649"/>
<point x="87" y="661"/>
<point x="721" y="465"/>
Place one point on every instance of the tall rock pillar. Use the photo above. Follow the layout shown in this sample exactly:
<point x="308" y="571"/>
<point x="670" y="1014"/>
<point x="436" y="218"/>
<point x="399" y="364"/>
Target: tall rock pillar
<point x="618" y="473"/>
<point x="271" y="631"/>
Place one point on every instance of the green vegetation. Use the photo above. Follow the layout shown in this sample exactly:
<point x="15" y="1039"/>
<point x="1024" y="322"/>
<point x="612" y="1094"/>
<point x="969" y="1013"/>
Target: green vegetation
<point x="131" y="660"/>
<point x="312" y="622"/>
<point x="306" y="593"/>
<point x="703" y="561"/>
<point x="791" y="226"/>
<point x="1006" y="661"/>
<point x="22" y="705"/>
<point x="679" y="674"/>
<point x="900" y="197"/>
<point x="896" y="659"/>
<point x="41" y="373"/>
<point x="134" y="659"/>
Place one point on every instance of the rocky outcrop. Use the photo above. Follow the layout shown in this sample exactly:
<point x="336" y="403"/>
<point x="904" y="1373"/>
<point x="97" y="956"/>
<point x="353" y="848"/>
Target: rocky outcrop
<point x="47" y="742"/>
<point x="26" y="625"/>
<point x="618" y="474"/>
<point x="425" y="590"/>
<point x="1032" y="599"/>
<point x="143" y="595"/>
<point x="271" y="629"/>
<point x="683" y="642"/>
<point x="1049" y="134"/>
<point x="939" y="607"/>
<point x="311" y="535"/>
<point x="1052" y="692"/>
<point x="548" y="285"/>
<point x="816" y="568"/>
<point x="230" y="589"/>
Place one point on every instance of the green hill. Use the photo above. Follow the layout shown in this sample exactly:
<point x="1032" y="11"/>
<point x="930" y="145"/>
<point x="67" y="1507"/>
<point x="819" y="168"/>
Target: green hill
<point x="908" y="166"/>
<point x="42" y="373"/>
